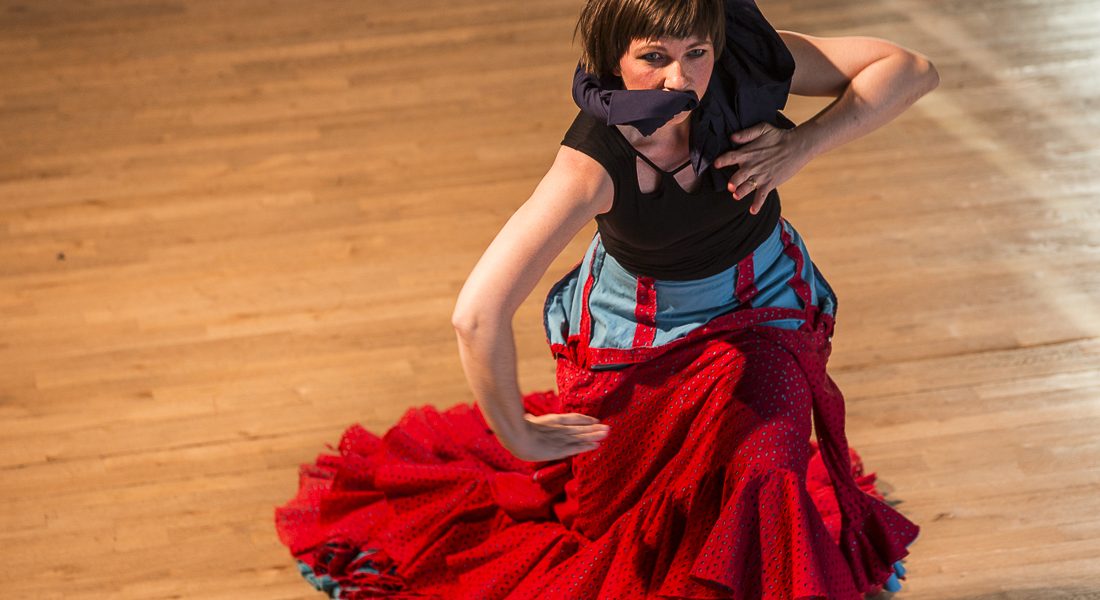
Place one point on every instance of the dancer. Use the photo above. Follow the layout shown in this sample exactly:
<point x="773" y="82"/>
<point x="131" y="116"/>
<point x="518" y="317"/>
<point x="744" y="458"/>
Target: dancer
<point x="691" y="340"/>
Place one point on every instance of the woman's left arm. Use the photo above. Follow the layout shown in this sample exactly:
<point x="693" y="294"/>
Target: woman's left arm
<point x="873" y="80"/>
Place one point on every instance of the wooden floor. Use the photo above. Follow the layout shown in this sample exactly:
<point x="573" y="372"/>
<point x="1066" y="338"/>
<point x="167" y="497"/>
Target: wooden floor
<point x="228" y="230"/>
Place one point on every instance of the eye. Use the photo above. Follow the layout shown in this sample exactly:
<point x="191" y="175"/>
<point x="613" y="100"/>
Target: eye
<point x="698" y="52"/>
<point x="652" y="57"/>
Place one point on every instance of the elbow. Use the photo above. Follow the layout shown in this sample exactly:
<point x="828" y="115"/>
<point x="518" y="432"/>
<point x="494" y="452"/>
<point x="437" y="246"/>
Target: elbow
<point x="464" y="322"/>
<point x="926" y="72"/>
<point x="469" y="322"/>
<point x="464" y="315"/>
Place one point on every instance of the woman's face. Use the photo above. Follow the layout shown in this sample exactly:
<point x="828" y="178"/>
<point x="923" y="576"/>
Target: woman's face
<point x="668" y="64"/>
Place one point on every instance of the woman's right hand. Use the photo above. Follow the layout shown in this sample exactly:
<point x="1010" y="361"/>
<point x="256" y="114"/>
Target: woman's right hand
<point x="558" y="435"/>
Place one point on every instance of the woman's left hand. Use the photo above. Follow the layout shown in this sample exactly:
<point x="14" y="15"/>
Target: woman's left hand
<point x="769" y="156"/>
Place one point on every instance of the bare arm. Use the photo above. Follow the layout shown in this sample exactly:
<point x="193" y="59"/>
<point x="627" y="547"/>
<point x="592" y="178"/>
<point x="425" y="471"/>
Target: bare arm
<point x="572" y="193"/>
<point x="873" y="80"/>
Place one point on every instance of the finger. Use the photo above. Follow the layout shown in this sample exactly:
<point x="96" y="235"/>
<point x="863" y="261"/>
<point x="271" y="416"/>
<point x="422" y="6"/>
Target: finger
<point x="740" y="178"/>
<point x="594" y="436"/>
<point x="758" y="202"/>
<point x="736" y="181"/>
<point x="553" y="436"/>
<point x="569" y="434"/>
<point x="727" y="159"/>
<point x="583" y="429"/>
<point x="561" y="418"/>
<point x="741" y="189"/>
<point x="562" y="439"/>
<point x="749" y="134"/>
<point x="588" y="428"/>
<point x="576" y="419"/>
<point x="745" y="135"/>
<point x="579" y="429"/>
<point x="580" y="432"/>
<point x="569" y="429"/>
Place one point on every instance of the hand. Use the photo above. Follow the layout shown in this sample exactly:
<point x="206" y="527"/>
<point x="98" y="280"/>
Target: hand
<point x="770" y="156"/>
<point x="553" y="436"/>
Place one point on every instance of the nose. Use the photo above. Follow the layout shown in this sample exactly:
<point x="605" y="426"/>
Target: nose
<point x="674" y="77"/>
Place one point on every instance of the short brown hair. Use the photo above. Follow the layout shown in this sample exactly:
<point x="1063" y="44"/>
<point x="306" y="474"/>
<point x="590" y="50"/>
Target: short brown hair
<point x="607" y="27"/>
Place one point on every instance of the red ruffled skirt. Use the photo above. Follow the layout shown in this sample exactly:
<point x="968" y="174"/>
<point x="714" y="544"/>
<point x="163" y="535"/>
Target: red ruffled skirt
<point x="707" y="486"/>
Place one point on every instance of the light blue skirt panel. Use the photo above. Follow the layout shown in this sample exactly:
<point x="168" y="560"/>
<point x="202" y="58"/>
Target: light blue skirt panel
<point x="681" y="306"/>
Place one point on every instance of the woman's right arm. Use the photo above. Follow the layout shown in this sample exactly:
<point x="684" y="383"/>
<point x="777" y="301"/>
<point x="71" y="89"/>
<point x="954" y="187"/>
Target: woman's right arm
<point x="574" y="190"/>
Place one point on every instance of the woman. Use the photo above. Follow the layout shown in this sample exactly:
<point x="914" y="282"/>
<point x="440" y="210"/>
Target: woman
<point x="691" y="339"/>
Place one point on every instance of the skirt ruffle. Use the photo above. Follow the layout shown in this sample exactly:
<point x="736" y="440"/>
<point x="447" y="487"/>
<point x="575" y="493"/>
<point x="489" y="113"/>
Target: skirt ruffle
<point x="707" y="486"/>
<point x="437" y="508"/>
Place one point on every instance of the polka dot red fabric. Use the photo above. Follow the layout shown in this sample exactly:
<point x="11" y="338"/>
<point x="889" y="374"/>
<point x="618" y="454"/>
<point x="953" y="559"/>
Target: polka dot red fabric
<point x="708" y="485"/>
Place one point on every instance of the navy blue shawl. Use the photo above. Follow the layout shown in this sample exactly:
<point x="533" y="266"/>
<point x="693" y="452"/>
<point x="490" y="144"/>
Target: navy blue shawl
<point x="749" y="84"/>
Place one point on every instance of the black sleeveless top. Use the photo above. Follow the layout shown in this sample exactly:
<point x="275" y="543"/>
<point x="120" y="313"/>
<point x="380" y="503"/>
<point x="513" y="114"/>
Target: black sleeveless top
<point x="670" y="233"/>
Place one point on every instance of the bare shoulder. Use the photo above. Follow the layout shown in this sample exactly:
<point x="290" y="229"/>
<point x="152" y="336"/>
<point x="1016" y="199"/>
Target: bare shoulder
<point x="574" y="190"/>
<point x="583" y="179"/>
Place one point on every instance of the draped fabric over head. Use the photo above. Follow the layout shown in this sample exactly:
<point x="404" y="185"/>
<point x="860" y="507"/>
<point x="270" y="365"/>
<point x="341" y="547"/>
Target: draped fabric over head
<point x="749" y="84"/>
